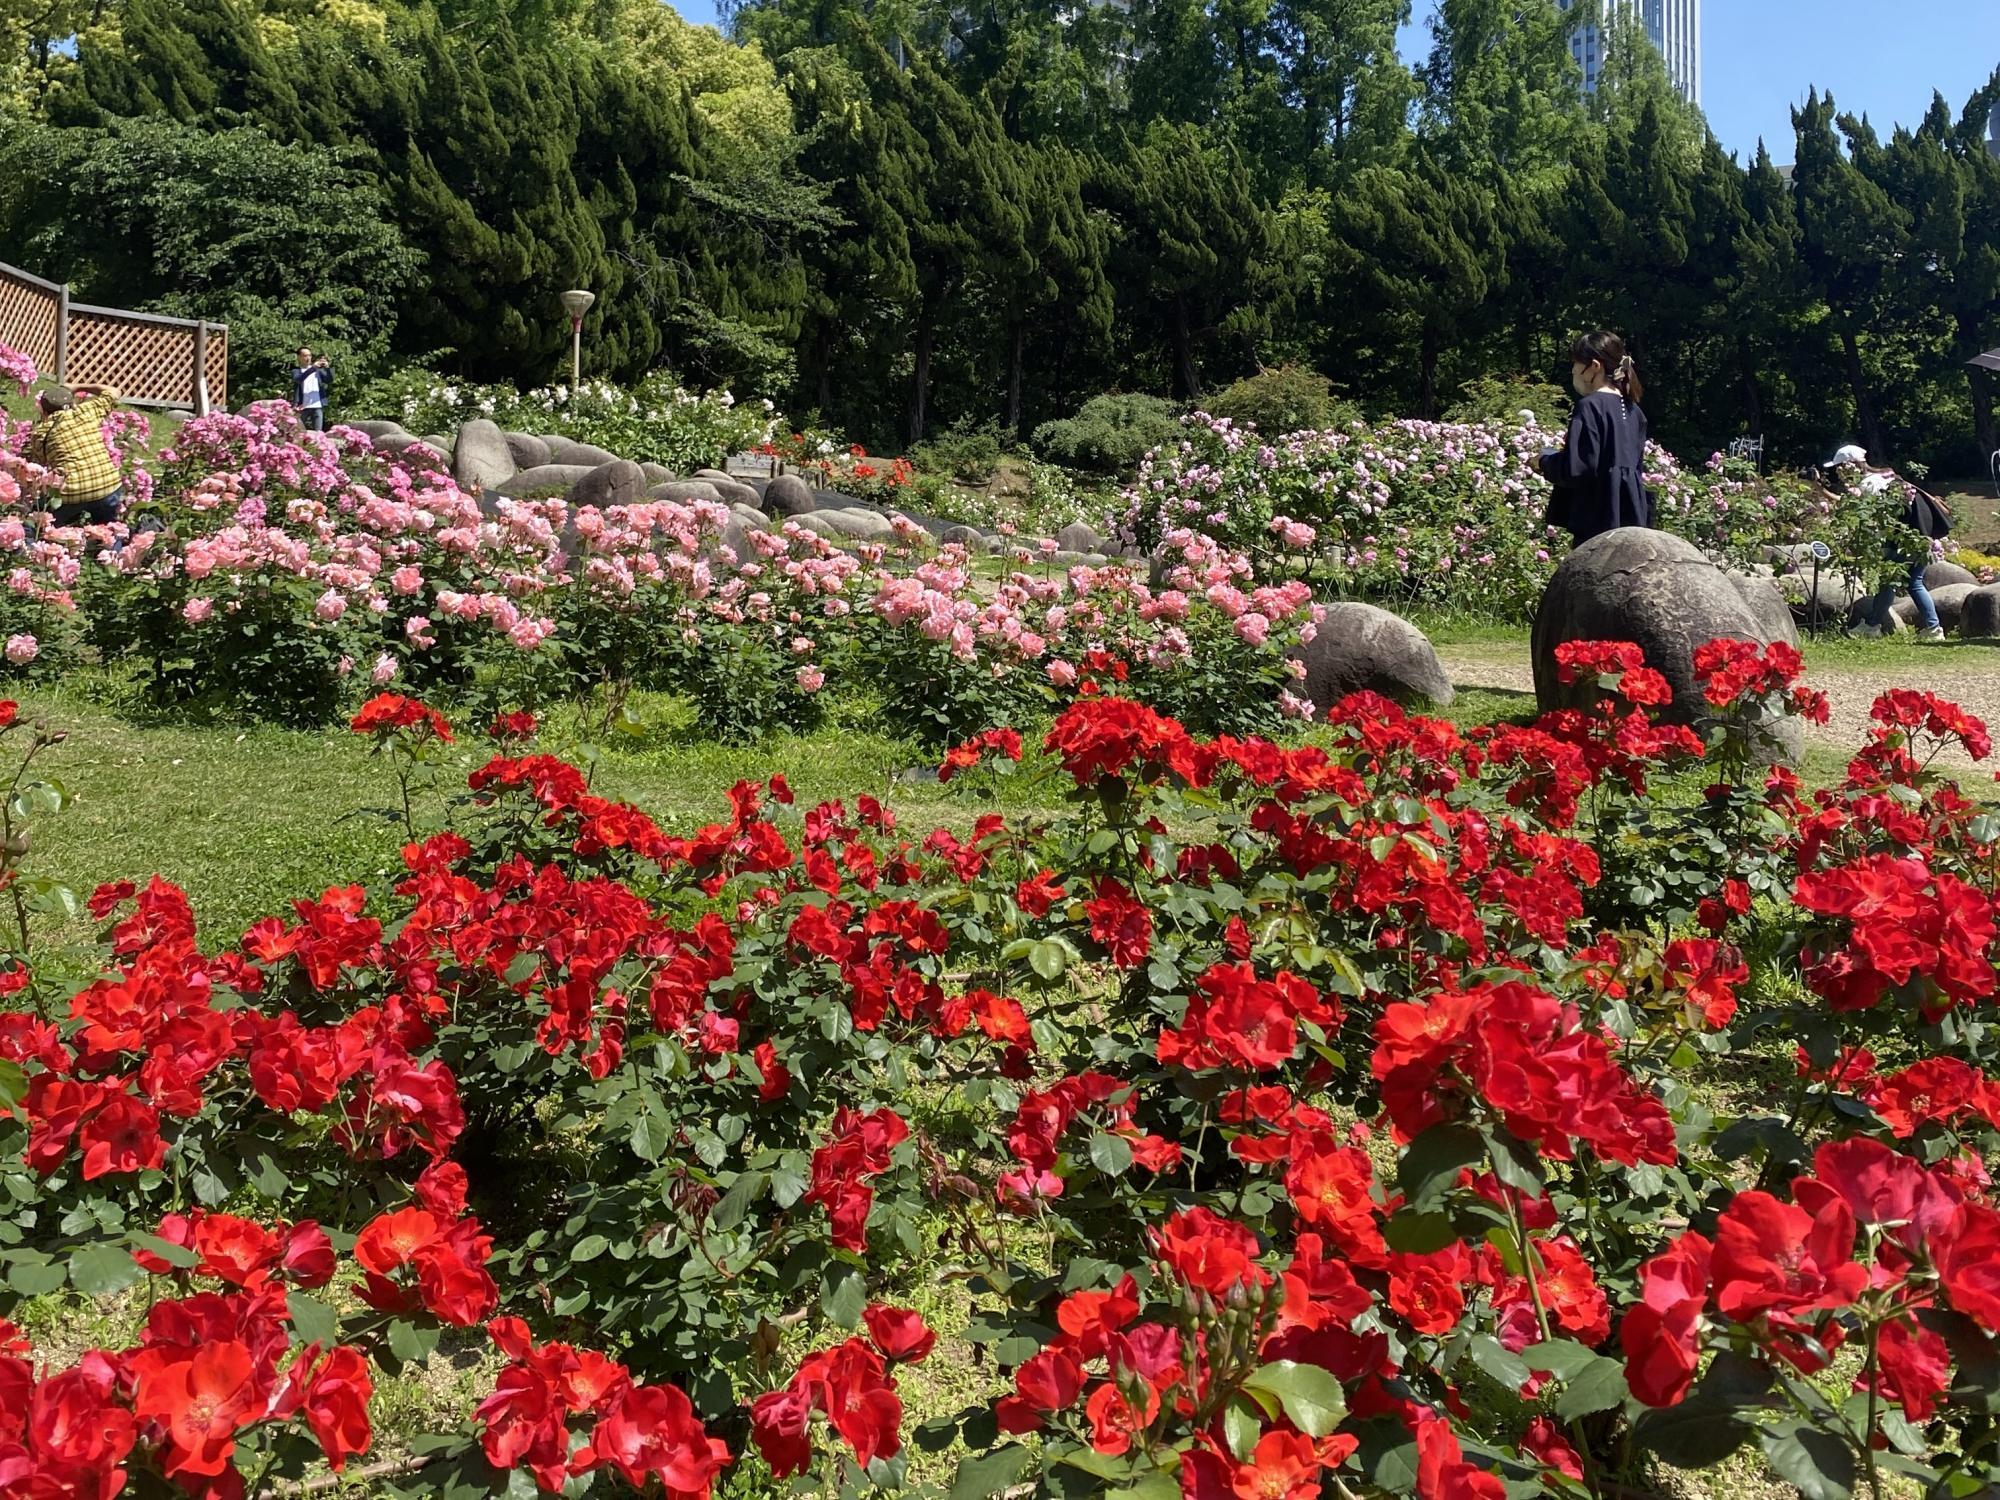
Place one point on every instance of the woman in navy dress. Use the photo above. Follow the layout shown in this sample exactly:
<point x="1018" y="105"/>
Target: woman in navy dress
<point x="1600" y="474"/>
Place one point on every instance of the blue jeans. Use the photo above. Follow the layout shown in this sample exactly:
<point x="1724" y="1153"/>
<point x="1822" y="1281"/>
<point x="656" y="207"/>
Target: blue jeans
<point x="313" y="417"/>
<point x="91" y="512"/>
<point x="1885" y="599"/>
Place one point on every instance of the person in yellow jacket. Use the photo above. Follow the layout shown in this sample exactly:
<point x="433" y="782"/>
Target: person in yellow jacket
<point x="70" y="439"/>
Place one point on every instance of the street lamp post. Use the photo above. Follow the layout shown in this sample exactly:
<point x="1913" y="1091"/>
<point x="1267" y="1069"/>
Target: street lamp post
<point x="576" y="304"/>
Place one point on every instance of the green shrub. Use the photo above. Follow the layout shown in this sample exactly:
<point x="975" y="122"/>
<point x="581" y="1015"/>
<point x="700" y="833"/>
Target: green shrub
<point x="966" y="453"/>
<point x="1493" y="398"/>
<point x="1290" y="398"/>
<point x="1109" y="434"/>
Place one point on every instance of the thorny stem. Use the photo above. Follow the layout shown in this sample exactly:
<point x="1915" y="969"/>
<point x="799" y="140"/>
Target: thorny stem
<point x="1873" y="1374"/>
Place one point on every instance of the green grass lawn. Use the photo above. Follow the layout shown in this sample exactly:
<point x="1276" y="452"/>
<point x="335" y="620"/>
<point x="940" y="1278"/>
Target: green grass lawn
<point x="247" y="819"/>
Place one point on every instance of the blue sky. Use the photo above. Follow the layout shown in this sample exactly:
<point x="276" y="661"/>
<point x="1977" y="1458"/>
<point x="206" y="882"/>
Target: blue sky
<point x="1881" y="57"/>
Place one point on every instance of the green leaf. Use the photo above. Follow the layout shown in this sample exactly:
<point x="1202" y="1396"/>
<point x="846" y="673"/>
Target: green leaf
<point x="13" y="1085"/>
<point x="650" y="1136"/>
<point x="1157" y="1484"/>
<point x="1419" y="1234"/>
<point x="410" y="1343"/>
<point x="1697" y="1434"/>
<point x="1047" y="959"/>
<point x="1818" y="1463"/>
<point x="315" y="1321"/>
<point x="37" y="1277"/>
<point x="1241" y="1428"/>
<point x="178" y="1256"/>
<point x="1110" y="1154"/>
<point x="1597" y="1386"/>
<point x="843" y="1293"/>
<point x="1508" y="1369"/>
<point x="1432" y="1164"/>
<point x="1514" y="1162"/>
<point x="985" y="1474"/>
<point x="99" y="1270"/>
<point x="1311" y="1397"/>
<point x="790" y="1178"/>
<point x="589" y="1247"/>
<point x="742" y="1193"/>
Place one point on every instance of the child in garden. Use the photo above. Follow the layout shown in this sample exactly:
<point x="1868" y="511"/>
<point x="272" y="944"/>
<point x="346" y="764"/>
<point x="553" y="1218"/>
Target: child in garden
<point x="1600" y="473"/>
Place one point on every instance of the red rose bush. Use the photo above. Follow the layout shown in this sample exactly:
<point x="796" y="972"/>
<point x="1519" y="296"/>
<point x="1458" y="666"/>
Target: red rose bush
<point x="1412" y="1111"/>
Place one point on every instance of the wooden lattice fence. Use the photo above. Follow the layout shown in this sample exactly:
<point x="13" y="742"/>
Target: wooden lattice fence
<point x="152" y="360"/>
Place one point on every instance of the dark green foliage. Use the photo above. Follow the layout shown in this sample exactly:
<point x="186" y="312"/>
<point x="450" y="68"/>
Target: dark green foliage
<point x="289" y="245"/>
<point x="1110" y="434"/>
<point x="1492" y="399"/>
<point x="1283" y="400"/>
<point x="989" y="214"/>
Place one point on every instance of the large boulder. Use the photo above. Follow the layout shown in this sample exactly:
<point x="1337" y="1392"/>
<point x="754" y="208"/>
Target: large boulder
<point x="1768" y="607"/>
<point x="1077" y="537"/>
<point x="619" y="482"/>
<point x="445" y="443"/>
<point x="569" y="451"/>
<point x="1361" y="648"/>
<point x="659" y="473"/>
<point x="544" y="480"/>
<point x="1657" y="591"/>
<point x="1943" y="575"/>
<point x="964" y="536"/>
<point x="1950" y="601"/>
<point x="1979" y="616"/>
<point x="858" y="525"/>
<point x="375" y="427"/>
<point x="482" y="460"/>
<point x="750" y="516"/>
<point x="683" y="491"/>
<point x="415" y="452"/>
<point x="733" y="493"/>
<point x="529" y="451"/>
<point x="789" y="495"/>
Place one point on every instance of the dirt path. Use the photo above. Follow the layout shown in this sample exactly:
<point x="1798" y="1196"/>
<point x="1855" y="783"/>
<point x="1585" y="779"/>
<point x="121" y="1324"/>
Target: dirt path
<point x="1968" y="675"/>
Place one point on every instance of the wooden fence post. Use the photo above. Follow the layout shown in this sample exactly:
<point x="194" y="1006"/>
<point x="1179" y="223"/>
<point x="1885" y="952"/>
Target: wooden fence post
<point x="201" y="368"/>
<point x="61" y="373"/>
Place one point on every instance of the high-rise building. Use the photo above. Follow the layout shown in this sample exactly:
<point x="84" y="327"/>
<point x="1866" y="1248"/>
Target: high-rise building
<point x="1673" y="25"/>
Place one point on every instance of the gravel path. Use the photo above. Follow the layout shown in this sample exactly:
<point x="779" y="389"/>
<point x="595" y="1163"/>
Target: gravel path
<point x="1968" y="675"/>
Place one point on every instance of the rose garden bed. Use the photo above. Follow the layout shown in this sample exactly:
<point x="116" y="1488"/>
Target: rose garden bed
<point x="1521" y="1110"/>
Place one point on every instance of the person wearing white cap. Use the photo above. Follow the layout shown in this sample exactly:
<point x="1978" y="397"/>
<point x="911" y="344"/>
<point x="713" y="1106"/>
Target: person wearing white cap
<point x="1923" y="514"/>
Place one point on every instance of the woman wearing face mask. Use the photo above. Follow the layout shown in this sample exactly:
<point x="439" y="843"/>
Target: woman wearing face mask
<point x="1599" y="475"/>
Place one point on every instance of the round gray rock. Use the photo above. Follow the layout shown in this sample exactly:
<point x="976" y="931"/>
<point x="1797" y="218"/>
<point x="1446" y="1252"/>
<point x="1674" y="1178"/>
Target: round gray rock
<point x="545" y="479"/>
<point x="733" y="493"/>
<point x="446" y="445"/>
<point x="1077" y="537"/>
<point x="569" y="451"/>
<point x="683" y="491"/>
<point x="1768" y="607"/>
<point x="964" y="536"/>
<point x="619" y="482"/>
<point x="529" y="451"/>
<point x="1660" y="593"/>
<point x="1950" y="601"/>
<point x="1944" y="575"/>
<point x="1361" y="648"/>
<point x="859" y="525"/>
<point x="482" y="460"/>
<point x="711" y="474"/>
<point x="659" y="474"/>
<point x="375" y="427"/>
<point x="789" y="495"/>
<point x="1979" y="617"/>
<point x="750" y="516"/>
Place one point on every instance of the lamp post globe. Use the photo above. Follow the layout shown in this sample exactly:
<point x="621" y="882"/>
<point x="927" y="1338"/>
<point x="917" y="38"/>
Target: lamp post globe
<point x="576" y="303"/>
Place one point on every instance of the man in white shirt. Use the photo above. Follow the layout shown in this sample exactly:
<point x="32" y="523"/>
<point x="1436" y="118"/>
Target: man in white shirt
<point x="312" y="389"/>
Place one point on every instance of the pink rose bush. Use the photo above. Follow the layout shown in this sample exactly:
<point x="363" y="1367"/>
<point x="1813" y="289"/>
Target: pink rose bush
<point x="1444" y="514"/>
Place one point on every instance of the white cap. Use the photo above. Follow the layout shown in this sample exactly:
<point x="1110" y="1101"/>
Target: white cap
<point x="1847" y="453"/>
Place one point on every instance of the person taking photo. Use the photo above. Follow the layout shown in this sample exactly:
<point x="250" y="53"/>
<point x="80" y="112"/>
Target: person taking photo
<point x="69" y="438"/>
<point x="1924" y="518"/>
<point x="1599" y="473"/>
<point x="312" y="389"/>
